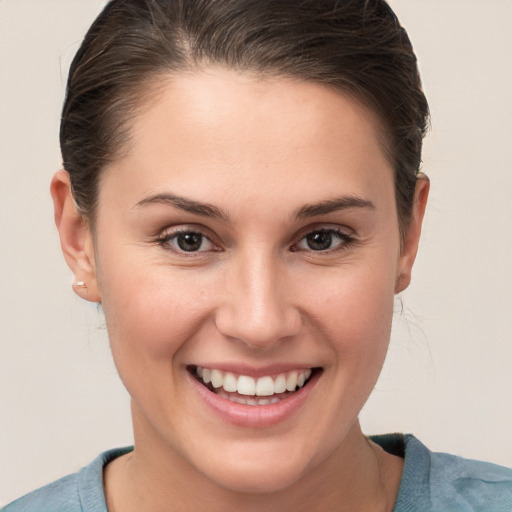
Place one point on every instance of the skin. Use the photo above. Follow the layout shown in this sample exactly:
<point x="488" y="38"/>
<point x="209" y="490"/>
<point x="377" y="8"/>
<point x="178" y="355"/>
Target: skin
<point x="258" y="295"/>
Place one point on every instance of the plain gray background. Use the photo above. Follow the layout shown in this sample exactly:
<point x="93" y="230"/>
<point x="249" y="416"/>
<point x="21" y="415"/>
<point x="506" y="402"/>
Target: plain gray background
<point x="448" y="377"/>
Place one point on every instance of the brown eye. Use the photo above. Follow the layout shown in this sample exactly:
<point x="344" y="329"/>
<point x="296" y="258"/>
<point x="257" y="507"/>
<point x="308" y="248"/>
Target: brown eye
<point x="319" y="241"/>
<point x="188" y="241"/>
<point x="324" y="240"/>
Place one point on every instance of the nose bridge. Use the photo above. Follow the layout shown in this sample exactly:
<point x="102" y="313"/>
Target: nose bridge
<point x="257" y="310"/>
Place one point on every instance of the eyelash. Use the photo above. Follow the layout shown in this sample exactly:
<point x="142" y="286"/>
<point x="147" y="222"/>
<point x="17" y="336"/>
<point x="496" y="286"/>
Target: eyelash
<point x="165" y="239"/>
<point x="345" y="241"/>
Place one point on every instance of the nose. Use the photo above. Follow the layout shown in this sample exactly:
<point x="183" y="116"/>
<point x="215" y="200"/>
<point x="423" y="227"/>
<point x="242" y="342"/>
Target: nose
<point x="257" y="307"/>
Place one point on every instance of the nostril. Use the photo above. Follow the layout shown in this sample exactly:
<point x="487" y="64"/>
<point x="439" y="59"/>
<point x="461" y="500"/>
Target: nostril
<point x="259" y="315"/>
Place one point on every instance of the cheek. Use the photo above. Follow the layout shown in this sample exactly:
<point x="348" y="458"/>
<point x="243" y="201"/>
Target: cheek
<point x="150" y="309"/>
<point x="358" y="316"/>
<point x="356" y="300"/>
<point x="355" y="311"/>
<point x="151" y="314"/>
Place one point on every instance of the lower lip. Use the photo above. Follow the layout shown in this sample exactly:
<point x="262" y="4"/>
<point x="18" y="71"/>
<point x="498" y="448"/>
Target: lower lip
<point x="256" y="416"/>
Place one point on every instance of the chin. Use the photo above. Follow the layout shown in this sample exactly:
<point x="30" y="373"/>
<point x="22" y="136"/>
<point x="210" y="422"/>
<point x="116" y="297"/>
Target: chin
<point x="262" y="467"/>
<point x="255" y="477"/>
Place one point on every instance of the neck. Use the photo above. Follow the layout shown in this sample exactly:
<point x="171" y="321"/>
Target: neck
<point x="358" y="475"/>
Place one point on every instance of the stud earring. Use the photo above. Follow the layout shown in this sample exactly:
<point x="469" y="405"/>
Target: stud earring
<point x="80" y="284"/>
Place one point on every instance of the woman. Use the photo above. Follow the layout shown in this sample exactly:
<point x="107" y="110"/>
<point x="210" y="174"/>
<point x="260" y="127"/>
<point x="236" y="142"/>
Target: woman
<point x="242" y="195"/>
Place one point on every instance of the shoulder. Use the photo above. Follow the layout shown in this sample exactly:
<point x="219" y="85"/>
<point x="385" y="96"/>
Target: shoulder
<point x="59" y="495"/>
<point x="469" y="484"/>
<point x="434" y="481"/>
<point x="79" y="492"/>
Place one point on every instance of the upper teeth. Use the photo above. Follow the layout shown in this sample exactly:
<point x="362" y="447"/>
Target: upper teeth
<point x="245" y="385"/>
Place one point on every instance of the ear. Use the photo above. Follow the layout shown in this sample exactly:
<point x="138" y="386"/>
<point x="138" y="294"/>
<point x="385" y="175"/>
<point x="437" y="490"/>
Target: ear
<point x="412" y="235"/>
<point x="75" y="238"/>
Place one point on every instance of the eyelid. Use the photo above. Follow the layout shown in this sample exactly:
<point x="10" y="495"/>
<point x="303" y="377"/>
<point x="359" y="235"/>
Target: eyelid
<point x="319" y="226"/>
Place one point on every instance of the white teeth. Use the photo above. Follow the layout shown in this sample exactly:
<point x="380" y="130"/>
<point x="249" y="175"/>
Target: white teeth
<point x="244" y="385"/>
<point x="265" y="386"/>
<point x="291" y="381"/>
<point x="230" y="383"/>
<point x="217" y="379"/>
<point x="280" y="384"/>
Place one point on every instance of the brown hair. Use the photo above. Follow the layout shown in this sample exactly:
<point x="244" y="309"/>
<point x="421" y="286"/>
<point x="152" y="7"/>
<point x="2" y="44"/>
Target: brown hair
<point x="357" y="46"/>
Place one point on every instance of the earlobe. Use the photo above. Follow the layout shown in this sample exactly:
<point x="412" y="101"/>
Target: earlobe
<point x="412" y="235"/>
<point x="75" y="238"/>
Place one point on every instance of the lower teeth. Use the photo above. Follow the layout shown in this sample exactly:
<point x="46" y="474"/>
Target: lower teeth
<point x="249" y="400"/>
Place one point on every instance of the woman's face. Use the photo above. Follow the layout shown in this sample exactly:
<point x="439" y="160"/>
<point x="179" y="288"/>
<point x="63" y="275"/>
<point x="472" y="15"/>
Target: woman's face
<point x="250" y="233"/>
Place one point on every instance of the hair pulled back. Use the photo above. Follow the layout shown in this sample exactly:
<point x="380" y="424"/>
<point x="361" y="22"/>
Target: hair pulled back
<point x="357" y="46"/>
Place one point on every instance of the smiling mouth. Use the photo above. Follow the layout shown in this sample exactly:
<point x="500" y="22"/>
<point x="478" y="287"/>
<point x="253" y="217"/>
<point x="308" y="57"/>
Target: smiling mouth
<point x="247" y="390"/>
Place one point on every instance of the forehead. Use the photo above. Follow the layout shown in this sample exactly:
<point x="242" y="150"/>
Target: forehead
<point x="219" y="129"/>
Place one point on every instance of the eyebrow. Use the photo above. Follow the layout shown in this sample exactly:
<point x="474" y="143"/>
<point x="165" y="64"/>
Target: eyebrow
<point x="209" y="210"/>
<point x="185" y="204"/>
<point x="333" y="205"/>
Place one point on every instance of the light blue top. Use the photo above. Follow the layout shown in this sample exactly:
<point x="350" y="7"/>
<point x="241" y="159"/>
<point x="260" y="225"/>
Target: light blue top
<point x="431" y="482"/>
